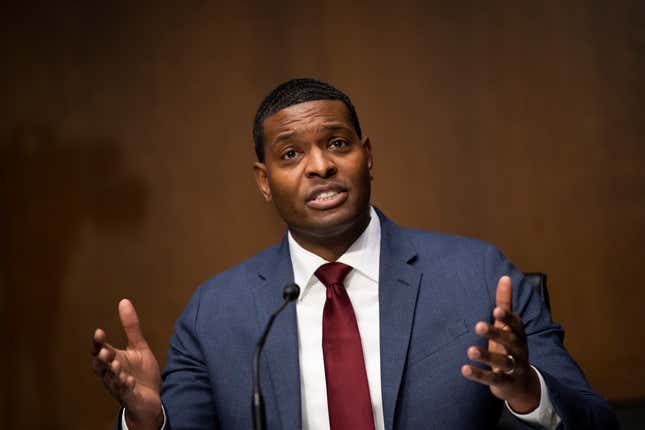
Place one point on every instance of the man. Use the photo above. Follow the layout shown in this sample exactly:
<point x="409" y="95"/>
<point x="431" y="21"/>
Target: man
<point x="377" y="338"/>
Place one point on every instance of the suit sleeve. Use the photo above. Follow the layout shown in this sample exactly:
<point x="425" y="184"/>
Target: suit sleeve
<point x="186" y="390"/>
<point x="573" y="399"/>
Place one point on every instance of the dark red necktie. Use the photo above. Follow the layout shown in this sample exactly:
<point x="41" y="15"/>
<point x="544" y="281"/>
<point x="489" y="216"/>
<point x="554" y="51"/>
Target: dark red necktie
<point x="348" y="395"/>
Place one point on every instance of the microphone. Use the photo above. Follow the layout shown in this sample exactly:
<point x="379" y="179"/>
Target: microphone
<point x="289" y="294"/>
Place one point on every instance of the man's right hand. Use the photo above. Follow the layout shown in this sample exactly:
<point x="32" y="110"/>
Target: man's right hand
<point x="132" y="374"/>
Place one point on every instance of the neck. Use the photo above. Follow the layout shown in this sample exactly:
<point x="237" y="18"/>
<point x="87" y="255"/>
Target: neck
<point x="331" y="246"/>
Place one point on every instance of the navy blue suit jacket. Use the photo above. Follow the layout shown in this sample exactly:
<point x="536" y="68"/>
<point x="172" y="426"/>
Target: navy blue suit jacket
<point x="433" y="289"/>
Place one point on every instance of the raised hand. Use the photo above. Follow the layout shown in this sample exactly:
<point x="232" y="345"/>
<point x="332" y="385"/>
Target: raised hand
<point x="511" y="377"/>
<point x="132" y="374"/>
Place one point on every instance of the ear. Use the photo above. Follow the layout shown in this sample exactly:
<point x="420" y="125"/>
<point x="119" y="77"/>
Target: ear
<point x="367" y="147"/>
<point x="262" y="180"/>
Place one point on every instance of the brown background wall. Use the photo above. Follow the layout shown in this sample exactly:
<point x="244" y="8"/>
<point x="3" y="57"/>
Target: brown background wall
<point x="125" y="161"/>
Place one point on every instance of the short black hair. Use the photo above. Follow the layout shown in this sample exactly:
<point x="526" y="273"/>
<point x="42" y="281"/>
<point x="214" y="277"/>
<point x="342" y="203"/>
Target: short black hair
<point x="293" y="92"/>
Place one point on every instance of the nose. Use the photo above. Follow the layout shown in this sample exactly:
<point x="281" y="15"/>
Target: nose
<point x="320" y="164"/>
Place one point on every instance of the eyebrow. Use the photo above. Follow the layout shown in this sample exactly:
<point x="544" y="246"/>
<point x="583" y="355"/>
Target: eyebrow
<point x="335" y="126"/>
<point x="284" y="136"/>
<point x="332" y="126"/>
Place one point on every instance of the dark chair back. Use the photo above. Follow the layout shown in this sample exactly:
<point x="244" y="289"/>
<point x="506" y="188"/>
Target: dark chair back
<point x="538" y="281"/>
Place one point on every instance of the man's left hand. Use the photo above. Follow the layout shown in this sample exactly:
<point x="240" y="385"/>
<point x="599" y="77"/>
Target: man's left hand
<point x="511" y="377"/>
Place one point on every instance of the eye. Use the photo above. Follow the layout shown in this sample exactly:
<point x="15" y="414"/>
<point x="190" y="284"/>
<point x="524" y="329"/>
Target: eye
<point x="288" y="155"/>
<point x="337" y="144"/>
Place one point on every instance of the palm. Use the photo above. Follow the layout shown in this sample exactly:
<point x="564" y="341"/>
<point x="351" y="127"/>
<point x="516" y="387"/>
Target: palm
<point x="142" y="365"/>
<point x="511" y="377"/>
<point x="131" y="375"/>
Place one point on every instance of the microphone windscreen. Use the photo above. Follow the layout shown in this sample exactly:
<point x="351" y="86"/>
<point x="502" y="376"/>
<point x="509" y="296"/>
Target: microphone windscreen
<point x="291" y="292"/>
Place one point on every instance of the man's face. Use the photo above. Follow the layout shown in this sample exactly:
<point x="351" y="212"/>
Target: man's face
<point x="316" y="169"/>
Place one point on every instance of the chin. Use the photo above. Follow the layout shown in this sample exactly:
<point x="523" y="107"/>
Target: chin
<point x="336" y="223"/>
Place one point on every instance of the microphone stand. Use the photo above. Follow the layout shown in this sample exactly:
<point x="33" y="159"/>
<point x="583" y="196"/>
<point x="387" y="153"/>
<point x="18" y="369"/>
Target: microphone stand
<point x="289" y="294"/>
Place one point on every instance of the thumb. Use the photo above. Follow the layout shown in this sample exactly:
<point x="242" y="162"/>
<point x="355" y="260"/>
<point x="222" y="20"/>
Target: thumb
<point x="504" y="300"/>
<point x="504" y="294"/>
<point x="130" y="323"/>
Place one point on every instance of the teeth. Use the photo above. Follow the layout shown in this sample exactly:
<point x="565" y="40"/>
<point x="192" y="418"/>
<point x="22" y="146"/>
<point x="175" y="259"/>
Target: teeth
<point x="326" y="195"/>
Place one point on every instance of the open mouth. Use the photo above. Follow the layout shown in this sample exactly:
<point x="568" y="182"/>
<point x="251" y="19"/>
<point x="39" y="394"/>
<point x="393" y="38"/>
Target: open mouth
<point x="327" y="199"/>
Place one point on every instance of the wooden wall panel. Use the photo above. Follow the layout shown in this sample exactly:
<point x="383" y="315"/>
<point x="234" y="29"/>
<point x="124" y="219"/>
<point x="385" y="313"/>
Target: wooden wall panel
<point x="125" y="161"/>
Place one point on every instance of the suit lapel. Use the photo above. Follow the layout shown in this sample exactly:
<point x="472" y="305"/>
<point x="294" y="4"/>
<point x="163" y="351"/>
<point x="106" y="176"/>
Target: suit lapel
<point x="398" y="288"/>
<point x="281" y="348"/>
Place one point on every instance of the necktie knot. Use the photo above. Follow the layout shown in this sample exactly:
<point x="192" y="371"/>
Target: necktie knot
<point x="332" y="273"/>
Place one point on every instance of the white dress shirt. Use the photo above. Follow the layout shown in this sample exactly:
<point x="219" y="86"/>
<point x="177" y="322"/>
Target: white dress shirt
<point x="362" y="288"/>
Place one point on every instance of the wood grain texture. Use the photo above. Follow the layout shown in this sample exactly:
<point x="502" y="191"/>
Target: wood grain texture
<point x="125" y="162"/>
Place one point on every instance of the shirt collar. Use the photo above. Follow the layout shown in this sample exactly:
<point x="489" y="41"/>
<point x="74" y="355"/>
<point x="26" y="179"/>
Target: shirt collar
<point x="363" y="255"/>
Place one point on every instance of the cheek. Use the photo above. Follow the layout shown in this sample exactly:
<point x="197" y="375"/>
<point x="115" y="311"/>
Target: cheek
<point x="361" y="176"/>
<point x="284" y="189"/>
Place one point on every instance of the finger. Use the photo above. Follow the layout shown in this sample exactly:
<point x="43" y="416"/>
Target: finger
<point x="106" y="354"/>
<point x="110" y="382"/>
<point x="125" y="385"/>
<point x="115" y="366"/>
<point x="99" y="367"/>
<point x="98" y="340"/>
<point x="504" y="294"/>
<point x="115" y="380"/>
<point x="482" y="329"/>
<point x="499" y="362"/>
<point x="130" y="323"/>
<point x="503" y="341"/>
<point x="505" y="338"/>
<point x="131" y="382"/>
<point x="485" y="377"/>
<point x="509" y="321"/>
<point x="123" y="380"/>
<point x="121" y="383"/>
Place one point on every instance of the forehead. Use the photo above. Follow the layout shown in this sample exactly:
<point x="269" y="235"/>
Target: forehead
<point x="306" y="115"/>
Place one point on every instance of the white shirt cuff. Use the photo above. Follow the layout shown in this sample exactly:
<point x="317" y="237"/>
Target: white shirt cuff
<point x="124" y="426"/>
<point x="544" y="416"/>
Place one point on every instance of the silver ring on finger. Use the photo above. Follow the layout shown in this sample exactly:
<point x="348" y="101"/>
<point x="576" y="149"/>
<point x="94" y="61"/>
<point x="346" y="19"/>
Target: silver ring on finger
<point x="513" y="363"/>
